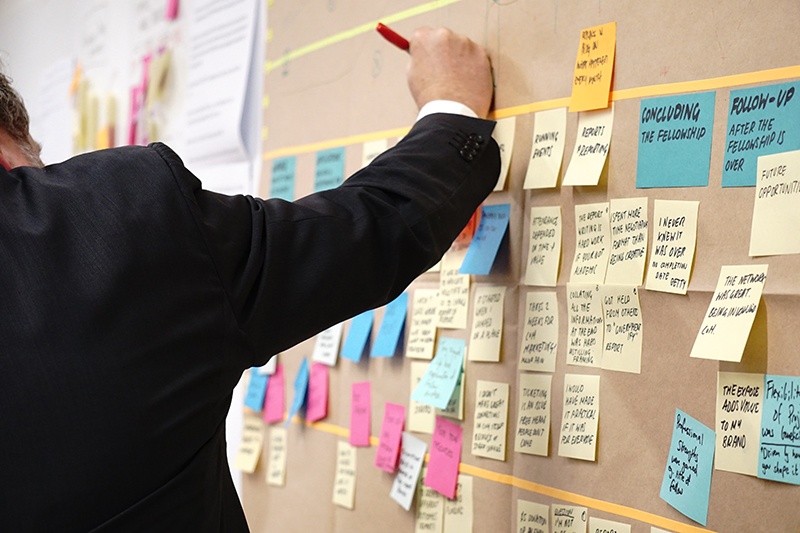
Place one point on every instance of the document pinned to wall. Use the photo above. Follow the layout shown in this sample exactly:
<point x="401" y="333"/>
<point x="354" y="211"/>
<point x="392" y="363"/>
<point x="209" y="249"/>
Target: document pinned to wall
<point x="591" y="148"/>
<point x="592" y="243"/>
<point x="344" y="482"/>
<point x="394" y="417"/>
<point x="779" y="458"/>
<point x="358" y="336"/>
<point x="539" y="345"/>
<point x="490" y="425"/>
<point x="283" y="178"/>
<point x="329" y="171"/>
<point x="568" y="519"/>
<point x="674" y="240"/>
<point x="740" y="399"/>
<point x="412" y="455"/>
<point x="360" y="413"/>
<point x="622" y="335"/>
<point x="486" y="242"/>
<point x="580" y="417"/>
<point x="455" y="407"/>
<point x="439" y="381"/>
<point x="256" y="390"/>
<point x="372" y="149"/>
<point x="601" y="525"/>
<point x="453" y="290"/>
<point x="776" y="211"/>
<point x="594" y="67"/>
<point x="422" y="334"/>
<point x="533" y="517"/>
<point x="445" y="457"/>
<point x="394" y="320"/>
<point x="547" y="150"/>
<point x="628" y="219"/>
<point x="544" y="246"/>
<point x="252" y="441"/>
<point x="533" y="420"/>
<point x="326" y="345"/>
<point x="585" y="330"/>
<point x="317" y="393"/>
<point x="275" y="398"/>
<point x="458" y="511"/>
<point x="300" y="389"/>
<point x="487" y="324"/>
<point x="421" y="417"/>
<point x="504" y="135"/>
<point x="430" y="509"/>
<point x="276" y="467"/>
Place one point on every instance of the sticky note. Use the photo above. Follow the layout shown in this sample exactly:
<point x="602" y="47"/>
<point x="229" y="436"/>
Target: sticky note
<point x="490" y="425"/>
<point x="422" y="334"/>
<point x="591" y="148"/>
<point x="373" y="149"/>
<point x="622" y="326"/>
<point x="585" y="329"/>
<point x="430" y="510"/>
<point x="437" y="385"/>
<point x="487" y="324"/>
<point x="580" y="416"/>
<point x="412" y="454"/>
<point x="458" y="511"/>
<point x="329" y="172"/>
<point x="761" y="121"/>
<point x="394" y="417"/>
<point x="344" y="482"/>
<point x="394" y="318"/>
<point x="544" y="246"/>
<point x="455" y="406"/>
<point x="628" y="219"/>
<point x="687" y="478"/>
<point x="600" y="525"/>
<point x="486" y="241"/>
<point x="326" y="345"/>
<point x="675" y="140"/>
<point x="567" y="519"/>
<point x="275" y="399"/>
<point x="256" y="389"/>
<point x="775" y="211"/>
<point x="726" y="326"/>
<point x="740" y="399"/>
<point x="300" y="389"/>
<point x="504" y="135"/>
<point x="360" y="413"/>
<point x="358" y="336"/>
<point x="445" y="456"/>
<point x="674" y="239"/>
<point x="592" y="243"/>
<point x="453" y="291"/>
<point x="250" y="449"/>
<point x="317" y="393"/>
<point x="547" y="150"/>
<point x="539" y="344"/>
<point x="779" y="457"/>
<point x="532" y="517"/>
<point x="282" y="184"/>
<point x="270" y="368"/>
<point x="276" y="467"/>
<point x="594" y="67"/>
<point x="421" y="417"/>
<point x="533" y="421"/>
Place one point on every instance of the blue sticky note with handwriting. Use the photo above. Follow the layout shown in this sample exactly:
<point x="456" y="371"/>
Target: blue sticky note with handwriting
<point x="357" y="336"/>
<point x="439" y="381"/>
<point x="394" y="318"/>
<point x="687" y="478"/>
<point x="300" y="389"/>
<point x="282" y="185"/>
<point x="779" y="456"/>
<point x="329" y="172"/>
<point x="256" y="390"/>
<point x="675" y="140"/>
<point x="761" y="121"/>
<point x="486" y="241"/>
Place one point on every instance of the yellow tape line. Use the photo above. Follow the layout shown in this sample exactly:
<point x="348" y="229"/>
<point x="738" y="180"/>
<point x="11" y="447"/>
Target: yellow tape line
<point x="358" y="30"/>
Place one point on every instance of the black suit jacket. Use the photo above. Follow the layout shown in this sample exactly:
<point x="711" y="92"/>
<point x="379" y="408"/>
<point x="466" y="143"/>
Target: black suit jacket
<point x="131" y="300"/>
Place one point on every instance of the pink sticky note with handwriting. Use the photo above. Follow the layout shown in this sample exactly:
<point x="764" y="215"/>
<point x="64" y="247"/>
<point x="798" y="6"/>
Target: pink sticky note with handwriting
<point x="276" y="397"/>
<point x="360" y="413"/>
<point x="394" y="416"/>
<point x="442" y="473"/>
<point x="317" y="408"/>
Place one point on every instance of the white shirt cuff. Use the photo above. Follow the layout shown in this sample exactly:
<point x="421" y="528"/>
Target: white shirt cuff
<point x="446" y="106"/>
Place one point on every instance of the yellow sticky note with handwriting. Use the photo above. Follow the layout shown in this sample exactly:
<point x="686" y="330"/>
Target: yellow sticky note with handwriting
<point x="594" y="66"/>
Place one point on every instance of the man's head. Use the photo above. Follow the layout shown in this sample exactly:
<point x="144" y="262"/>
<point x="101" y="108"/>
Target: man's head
<point x="17" y="148"/>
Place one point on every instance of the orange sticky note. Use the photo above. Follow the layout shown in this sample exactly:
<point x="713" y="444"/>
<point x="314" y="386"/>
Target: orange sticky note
<point x="591" y="84"/>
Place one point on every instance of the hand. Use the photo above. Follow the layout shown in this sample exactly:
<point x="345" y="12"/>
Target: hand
<point x="448" y="66"/>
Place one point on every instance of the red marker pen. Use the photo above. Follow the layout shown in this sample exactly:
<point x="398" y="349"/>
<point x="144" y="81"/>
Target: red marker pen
<point x="392" y="37"/>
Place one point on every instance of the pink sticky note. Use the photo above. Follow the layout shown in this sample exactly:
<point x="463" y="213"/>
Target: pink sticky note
<point x="394" y="417"/>
<point x="317" y="408"/>
<point x="172" y="10"/>
<point x="442" y="473"/>
<point x="360" y="413"/>
<point x="276" y="397"/>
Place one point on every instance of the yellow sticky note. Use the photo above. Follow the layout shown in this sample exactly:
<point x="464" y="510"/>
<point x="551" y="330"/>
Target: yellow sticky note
<point x="252" y="441"/>
<point x="491" y="420"/>
<point x="591" y="147"/>
<point x="547" y="149"/>
<point x="453" y="291"/>
<point x="373" y="149"/>
<point x="775" y="213"/>
<point x="674" y="239"/>
<point x="544" y="246"/>
<point x="504" y="135"/>
<point x="539" y="344"/>
<point x="568" y="518"/>
<point x="487" y="324"/>
<point x="430" y="508"/>
<point x="533" y="420"/>
<point x="592" y="243"/>
<point x="344" y="483"/>
<point x="458" y="512"/>
<point x="622" y="326"/>
<point x="600" y="525"/>
<point x="422" y="333"/>
<point x="533" y="517"/>
<point x="581" y="413"/>
<point x="740" y="398"/>
<point x="421" y="417"/>
<point x="585" y="327"/>
<point x="628" y="219"/>
<point x="594" y="66"/>
<point x="276" y="469"/>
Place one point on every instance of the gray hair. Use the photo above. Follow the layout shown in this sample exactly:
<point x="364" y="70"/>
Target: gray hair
<point x="14" y="119"/>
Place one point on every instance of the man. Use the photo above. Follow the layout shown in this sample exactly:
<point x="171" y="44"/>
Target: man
<point x="132" y="300"/>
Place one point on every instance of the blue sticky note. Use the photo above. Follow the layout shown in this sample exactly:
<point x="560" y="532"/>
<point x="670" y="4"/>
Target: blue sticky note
<point x="256" y="390"/>
<point x="439" y="381"/>
<point x="282" y="185"/>
<point x="761" y="121"/>
<point x="687" y="478"/>
<point x="300" y="389"/>
<point x="394" y="318"/>
<point x="779" y="456"/>
<point x="486" y="241"/>
<point x="357" y="336"/>
<point x="329" y="172"/>
<point x="675" y="141"/>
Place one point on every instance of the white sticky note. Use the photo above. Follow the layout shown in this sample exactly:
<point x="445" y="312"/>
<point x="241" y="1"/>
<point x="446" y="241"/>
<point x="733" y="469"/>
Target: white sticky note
<point x="344" y="482"/>
<point x="654" y="529"/>
<point x="421" y="417"/>
<point x="539" y="345"/>
<point x="533" y="420"/>
<point x="726" y="326"/>
<point x="568" y="519"/>
<point x="412" y="455"/>
<point x="373" y="149"/>
<point x="276" y="468"/>
<point x="270" y="368"/>
<point x="600" y="525"/>
<point x="453" y="292"/>
<point x="585" y="328"/>
<point x="776" y="211"/>
<point x="544" y="246"/>
<point x="326" y="345"/>
<point x="250" y="448"/>
<point x="580" y="417"/>
<point x="740" y="399"/>
<point x="504" y="135"/>
<point x="422" y="334"/>
<point x="430" y="509"/>
<point x="487" y="324"/>
<point x="622" y="329"/>
<point x="592" y="243"/>
<point x="532" y="517"/>
<point x="547" y="150"/>
<point x="591" y="147"/>
<point x="458" y="512"/>
<point x="491" y="420"/>
<point x="628" y="219"/>
<point x="674" y="240"/>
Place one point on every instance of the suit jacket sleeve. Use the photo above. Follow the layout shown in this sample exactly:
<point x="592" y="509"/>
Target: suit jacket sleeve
<point x="292" y="269"/>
